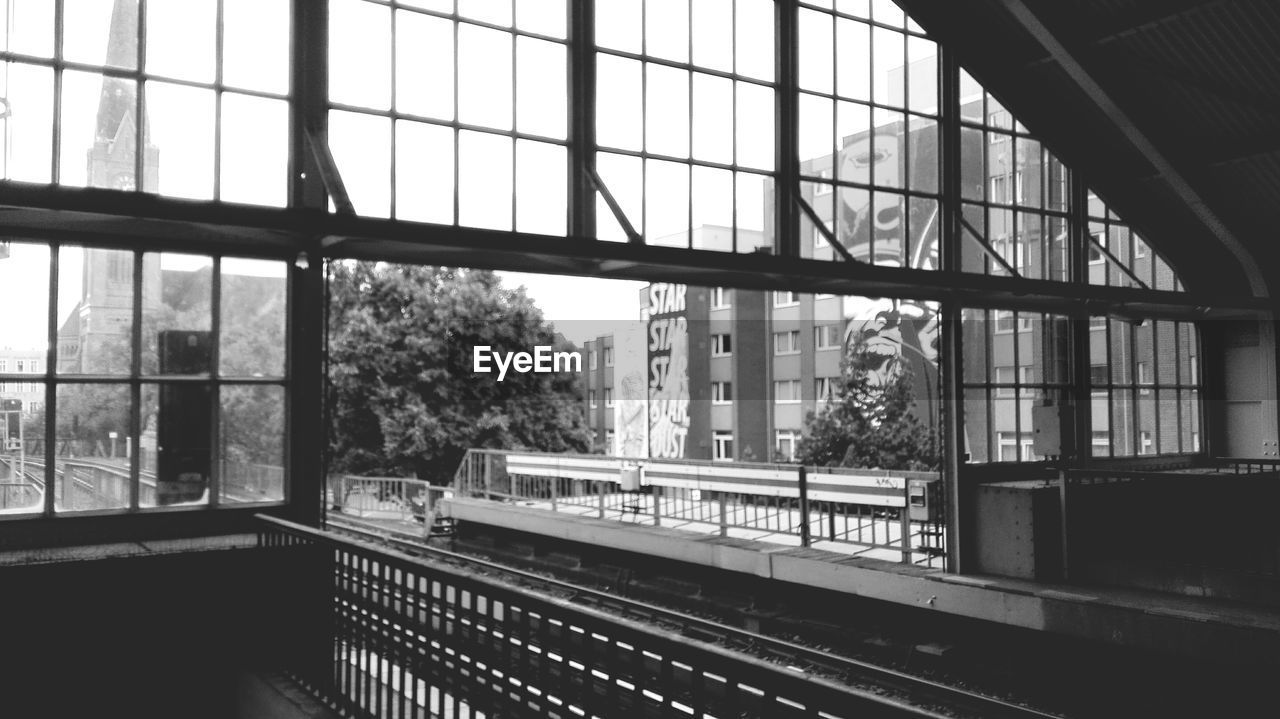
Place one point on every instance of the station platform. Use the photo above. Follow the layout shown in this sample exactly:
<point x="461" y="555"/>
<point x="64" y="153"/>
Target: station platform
<point x="1207" y="629"/>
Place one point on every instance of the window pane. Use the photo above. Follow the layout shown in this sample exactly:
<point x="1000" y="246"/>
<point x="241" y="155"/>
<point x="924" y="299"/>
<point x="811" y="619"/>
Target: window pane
<point x="255" y="44"/>
<point x="667" y="29"/>
<point x="98" y="121"/>
<point x="484" y="180"/>
<point x="253" y="318"/>
<point x="24" y="275"/>
<point x="182" y="123"/>
<point x="666" y="203"/>
<point x="755" y="126"/>
<point x="618" y="106"/>
<point x="27" y="27"/>
<point x="484" y="77"/>
<point x="816" y="47"/>
<point x="254" y="151"/>
<point x="176" y="301"/>
<point x="853" y="52"/>
<point x="542" y="188"/>
<point x="424" y="65"/>
<point x="251" y="435"/>
<point x="622" y="176"/>
<point x="541" y="94"/>
<point x="712" y="36"/>
<point x="180" y="38"/>
<point x="174" y="449"/>
<point x="424" y="172"/>
<point x="618" y="24"/>
<point x="712" y="118"/>
<point x="22" y="432"/>
<point x="87" y="27"/>
<point x="667" y="111"/>
<point x="546" y="17"/>
<point x="27" y="93"/>
<point x="753" y="42"/>
<point x="95" y="311"/>
<point x="92" y="466"/>
<point x="360" y="54"/>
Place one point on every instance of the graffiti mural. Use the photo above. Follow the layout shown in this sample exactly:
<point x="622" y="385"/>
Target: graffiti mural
<point x="668" y="355"/>
<point x="630" y="407"/>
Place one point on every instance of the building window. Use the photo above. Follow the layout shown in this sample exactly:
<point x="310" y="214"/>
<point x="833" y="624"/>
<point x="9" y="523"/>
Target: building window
<point x="20" y="364"/>
<point x="1003" y="377"/>
<point x="721" y="345"/>
<point x="4" y="365"/>
<point x="786" y="343"/>
<point x="608" y="356"/>
<point x="827" y="337"/>
<point x="824" y="388"/>
<point x="1145" y="380"/>
<point x="608" y="397"/>
<point x="1016" y="447"/>
<point x="719" y="298"/>
<point x="723" y="446"/>
<point x="592" y="360"/>
<point x="608" y="441"/>
<point x="786" y="391"/>
<point x="822" y="188"/>
<point x="721" y="392"/>
<point x="785" y="299"/>
<point x="591" y="398"/>
<point x="34" y="368"/>
<point x="785" y="442"/>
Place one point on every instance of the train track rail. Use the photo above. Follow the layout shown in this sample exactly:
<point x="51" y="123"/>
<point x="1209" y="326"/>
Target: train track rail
<point x="934" y="699"/>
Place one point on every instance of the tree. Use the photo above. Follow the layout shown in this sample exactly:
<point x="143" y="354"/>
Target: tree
<point x="404" y="397"/>
<point x="871" y="421"/>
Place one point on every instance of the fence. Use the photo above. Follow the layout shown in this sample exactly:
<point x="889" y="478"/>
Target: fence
<point x="899" y="513"/>
<point x="394" y="499"/>
<point x="412" y="639"/>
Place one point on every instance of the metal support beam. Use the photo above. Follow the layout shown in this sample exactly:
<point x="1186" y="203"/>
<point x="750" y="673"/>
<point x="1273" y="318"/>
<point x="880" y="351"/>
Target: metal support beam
<point x="582" y="128"/>
<point x="787" y="122"/>
<point x="1181" y="186"/>
<point x="950" y="358"/>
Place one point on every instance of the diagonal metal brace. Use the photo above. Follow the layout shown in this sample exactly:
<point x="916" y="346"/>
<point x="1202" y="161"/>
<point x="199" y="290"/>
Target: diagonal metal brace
<point x="632" y="236"/>
<point x="991" y="251"/>
<point x="825" y="231"/>
<point x="318" y="140"/>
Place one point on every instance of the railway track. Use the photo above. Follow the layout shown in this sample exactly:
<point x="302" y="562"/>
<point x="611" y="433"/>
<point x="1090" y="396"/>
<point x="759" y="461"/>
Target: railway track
<point x="932" y="698"/>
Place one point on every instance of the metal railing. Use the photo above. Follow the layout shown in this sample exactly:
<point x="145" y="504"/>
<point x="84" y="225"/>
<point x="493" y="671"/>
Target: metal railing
<point x="417" y="639"/>
<point x="387" y="499"/>
<point x="902" y="520"/>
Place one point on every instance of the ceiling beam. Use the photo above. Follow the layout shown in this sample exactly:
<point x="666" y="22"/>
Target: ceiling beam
<point x="1181" y="186"/>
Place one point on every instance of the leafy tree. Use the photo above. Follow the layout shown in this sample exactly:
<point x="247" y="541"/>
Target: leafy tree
<point x="404" y="397"/>
<point x="871" y="421"/>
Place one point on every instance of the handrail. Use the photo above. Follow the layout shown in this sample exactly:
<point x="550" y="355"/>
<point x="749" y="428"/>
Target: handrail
<point x="589" y="650"/>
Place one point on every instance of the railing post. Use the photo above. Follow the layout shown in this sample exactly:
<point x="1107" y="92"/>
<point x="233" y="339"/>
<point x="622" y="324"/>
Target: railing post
<point x="555" y="491"/>
<point x="724" y="520"/>
<point x="905" y="522"/>
<point x="803" y="481"/>
<point x="657" y="505"/>
<point x="1062" y="508"/>
<point x="488" y="474"/>
<point x="600" y="489"/>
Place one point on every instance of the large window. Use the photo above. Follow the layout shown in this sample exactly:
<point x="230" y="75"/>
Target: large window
<point x="455" y="117"/>
<point x="167" y="383"/>
<point x="869" y="142"/>
<point x="211" y="80"/>
<point x="684" y="120"/>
